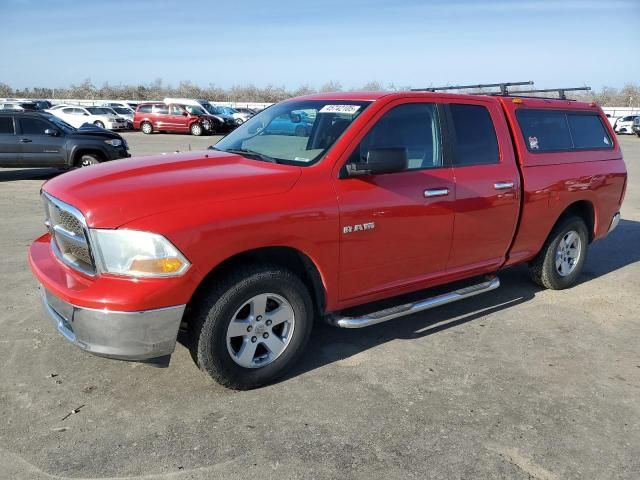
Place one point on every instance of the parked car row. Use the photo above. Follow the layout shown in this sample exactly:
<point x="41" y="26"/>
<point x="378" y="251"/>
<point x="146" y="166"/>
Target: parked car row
<point x="180" y="115"/>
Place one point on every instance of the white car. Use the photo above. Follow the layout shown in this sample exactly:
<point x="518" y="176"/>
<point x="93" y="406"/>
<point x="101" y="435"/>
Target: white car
<point x="100" y="116"/>
<point x="124" y="112"/>
<point x="625" y="124"/>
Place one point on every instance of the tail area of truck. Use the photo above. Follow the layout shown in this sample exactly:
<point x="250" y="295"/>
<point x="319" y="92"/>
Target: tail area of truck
<point x="570" y="162"/>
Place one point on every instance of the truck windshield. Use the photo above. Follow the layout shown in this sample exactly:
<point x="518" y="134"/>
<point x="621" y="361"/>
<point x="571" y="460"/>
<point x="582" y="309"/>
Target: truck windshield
<point x="296" y="132"/>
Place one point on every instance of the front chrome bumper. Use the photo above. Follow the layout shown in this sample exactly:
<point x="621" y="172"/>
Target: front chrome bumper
<point x="140" y="335"/>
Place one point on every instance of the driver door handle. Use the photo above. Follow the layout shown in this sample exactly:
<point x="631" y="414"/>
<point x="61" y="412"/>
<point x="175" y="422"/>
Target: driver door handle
<point x="503" y="185"/>
<point x="25" y="140"/>
<point x="436" y="192"/>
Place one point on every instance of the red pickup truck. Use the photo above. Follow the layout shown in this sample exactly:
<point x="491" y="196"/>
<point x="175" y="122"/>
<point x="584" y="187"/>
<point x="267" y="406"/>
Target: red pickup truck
<point x="384" y="195"/>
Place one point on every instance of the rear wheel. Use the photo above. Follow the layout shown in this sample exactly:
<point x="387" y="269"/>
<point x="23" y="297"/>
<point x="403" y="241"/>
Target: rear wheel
<point x="98" y="123"/>
<point x="560" y="262"/>
<point x="146" y="128"/>
<point x="196" y="129"/>
<point x="252" y="327"/>
<point x="88" y="159"/>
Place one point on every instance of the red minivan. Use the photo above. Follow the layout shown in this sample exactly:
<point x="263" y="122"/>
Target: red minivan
<point x="162" y="117"/>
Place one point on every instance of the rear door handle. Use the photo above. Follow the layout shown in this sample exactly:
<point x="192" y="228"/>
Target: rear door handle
<point x="25" y="140"/>
<point x="503" y="185"/>
<point x="436" y="192"/>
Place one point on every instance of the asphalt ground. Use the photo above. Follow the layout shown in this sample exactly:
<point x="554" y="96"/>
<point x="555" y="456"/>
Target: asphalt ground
<point x="519" y="383"/>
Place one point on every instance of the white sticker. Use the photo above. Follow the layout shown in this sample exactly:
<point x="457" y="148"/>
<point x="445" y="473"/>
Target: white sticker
<point x="533" y="143"/>
<point x="606" y="140"/>
<point x="349" y="109"/>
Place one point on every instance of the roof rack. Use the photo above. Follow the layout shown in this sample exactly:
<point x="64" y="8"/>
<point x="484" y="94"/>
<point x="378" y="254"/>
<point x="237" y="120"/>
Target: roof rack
<point x="504" y="89"/>
<point x="561" y="91"/>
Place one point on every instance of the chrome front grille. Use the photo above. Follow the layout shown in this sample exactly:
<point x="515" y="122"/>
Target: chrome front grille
<point x="69" y="235"/>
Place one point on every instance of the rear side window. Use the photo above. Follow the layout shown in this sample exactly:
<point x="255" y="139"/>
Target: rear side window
<point x="6" y="125"/>
<point x="545" y="130"/>
<point x="588" y="132"/>
<point x="474" y="137"/>
<point x="556" y="130"/>
<point x="145" y="109"/>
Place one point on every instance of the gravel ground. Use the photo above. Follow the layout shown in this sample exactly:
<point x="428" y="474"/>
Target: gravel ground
<point x="520" y="383"/>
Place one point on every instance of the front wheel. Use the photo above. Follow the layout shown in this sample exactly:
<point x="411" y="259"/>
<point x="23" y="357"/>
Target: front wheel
<point x="87" y="160"/>
<point x="252" y="327"/>
<point x="560" y="262"/>
<point x="196" y="129"/>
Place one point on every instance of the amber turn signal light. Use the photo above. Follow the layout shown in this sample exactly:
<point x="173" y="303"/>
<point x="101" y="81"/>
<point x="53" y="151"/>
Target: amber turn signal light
<point x="156" y="265"/>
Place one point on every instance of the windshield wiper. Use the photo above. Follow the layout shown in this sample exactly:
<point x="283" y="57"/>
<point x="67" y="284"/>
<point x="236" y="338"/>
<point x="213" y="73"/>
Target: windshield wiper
<point x="245" y="152"/>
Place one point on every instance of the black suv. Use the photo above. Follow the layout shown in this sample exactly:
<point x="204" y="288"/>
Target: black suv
<point x="40" y="139"/>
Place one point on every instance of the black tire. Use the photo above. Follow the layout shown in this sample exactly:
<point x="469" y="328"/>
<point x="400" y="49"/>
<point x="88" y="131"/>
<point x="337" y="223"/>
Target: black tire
<point x="196" y="129"/>
<point x="98" y="123"/>
<point x="87" y="160"/>
<point x="216" y="309"/>
<point x="543" y="268"/>
<point x="146" y="128"/>
<point x="301" y="131"/>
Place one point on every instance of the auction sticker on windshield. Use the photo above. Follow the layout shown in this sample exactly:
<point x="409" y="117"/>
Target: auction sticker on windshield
<point x="350" y="109"/>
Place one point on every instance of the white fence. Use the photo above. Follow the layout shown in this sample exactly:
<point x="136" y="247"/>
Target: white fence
<point x="621" y="111"/>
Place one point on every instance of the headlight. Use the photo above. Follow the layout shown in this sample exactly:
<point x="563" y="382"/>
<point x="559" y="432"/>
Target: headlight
<point x="137" y="254"/>
<point x="114" y="142"/>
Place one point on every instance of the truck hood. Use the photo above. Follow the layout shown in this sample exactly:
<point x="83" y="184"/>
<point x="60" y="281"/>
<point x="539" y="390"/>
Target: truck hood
<point x="118" y="192"/>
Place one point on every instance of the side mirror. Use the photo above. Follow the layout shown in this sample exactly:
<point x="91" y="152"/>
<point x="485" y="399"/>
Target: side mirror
<point x="380" y="160"/>
<point x="85" y="114"/>
<point x="51" y="132"/>
<point x="295" y="118"/>
<point x="185" y="114"/>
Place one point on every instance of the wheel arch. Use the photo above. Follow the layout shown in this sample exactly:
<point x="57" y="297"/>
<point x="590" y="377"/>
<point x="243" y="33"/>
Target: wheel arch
<point x="583" y="209"/>
<point x="288" y="257"/>
<point x="79" y="151"/>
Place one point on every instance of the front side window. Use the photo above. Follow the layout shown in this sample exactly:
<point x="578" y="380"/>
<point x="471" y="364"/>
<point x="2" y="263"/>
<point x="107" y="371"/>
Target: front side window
<point x="33" y="126"/>
<point x="474" y="138"/>
<point x="6" y="125"/>
<point x="100" y="111"/>
<point x="161" y="109"/>
<point x="176" y="110"/>
<point x="413" y="127"/>
<point x="295" y="132"/>
<point x="145" y="109"/>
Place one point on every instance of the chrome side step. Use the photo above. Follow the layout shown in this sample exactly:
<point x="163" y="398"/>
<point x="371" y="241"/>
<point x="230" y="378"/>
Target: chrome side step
<point x="409" y="308"/>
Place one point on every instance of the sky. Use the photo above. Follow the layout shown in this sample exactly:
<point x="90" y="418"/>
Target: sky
<point x="310" y="42"/>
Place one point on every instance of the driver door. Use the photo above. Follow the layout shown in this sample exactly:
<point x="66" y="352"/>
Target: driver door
<point x="177" y="119"/>
<point x="396" y="228"/>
